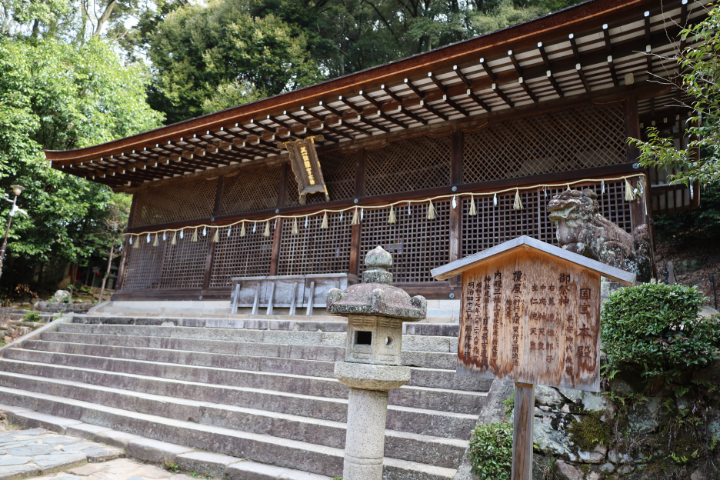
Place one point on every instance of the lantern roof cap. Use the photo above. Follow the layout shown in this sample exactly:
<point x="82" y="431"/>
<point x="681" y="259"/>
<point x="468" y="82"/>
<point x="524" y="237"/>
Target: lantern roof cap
<point x="376" y="295"/>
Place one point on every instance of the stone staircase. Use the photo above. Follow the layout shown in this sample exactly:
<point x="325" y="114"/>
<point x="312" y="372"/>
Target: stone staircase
<point x="261" y="390"/>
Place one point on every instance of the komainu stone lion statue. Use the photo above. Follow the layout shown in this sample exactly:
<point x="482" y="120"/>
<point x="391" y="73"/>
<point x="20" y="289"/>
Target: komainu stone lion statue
<point x="583" y="230"/>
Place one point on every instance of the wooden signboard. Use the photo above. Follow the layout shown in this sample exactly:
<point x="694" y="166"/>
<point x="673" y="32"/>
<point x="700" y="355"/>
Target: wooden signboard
<point x="531" y="314"/>
<point x="306" y="167"/>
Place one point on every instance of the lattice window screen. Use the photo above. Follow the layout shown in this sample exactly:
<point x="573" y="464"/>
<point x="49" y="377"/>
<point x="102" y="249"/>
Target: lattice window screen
<point x="315" y="250"/>
<point x="184" y="263"/>
<point x="339" y="174"/>
<point x="143" y="265"/>
<point x="186" y="199"/>
<point x="497" y="224"/>
<point x="416" y="243"/>
<point x="577" y="138"/>
<point x="237" y="256"/>
<point x="251" y="190"/>
<point x="408" y="165"/>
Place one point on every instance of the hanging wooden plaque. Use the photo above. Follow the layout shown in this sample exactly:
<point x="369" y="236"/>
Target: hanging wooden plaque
<point x="531" y="313"/>
<point x="306" y="167"/>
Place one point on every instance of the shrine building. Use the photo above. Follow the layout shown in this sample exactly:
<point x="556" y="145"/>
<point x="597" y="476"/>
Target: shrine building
<point x="435" y="157"/>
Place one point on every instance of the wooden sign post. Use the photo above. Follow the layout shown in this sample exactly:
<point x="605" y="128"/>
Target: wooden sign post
<point x="531" y="314"/>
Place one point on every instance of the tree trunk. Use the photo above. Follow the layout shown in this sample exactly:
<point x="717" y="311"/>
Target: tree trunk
<point x="104" y="18"/>
<point x="110" y="259"/>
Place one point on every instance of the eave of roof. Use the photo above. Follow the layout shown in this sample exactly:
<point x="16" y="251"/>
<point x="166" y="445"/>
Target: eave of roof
<point x="453" y="53"/>
<point x="585" y="53"/>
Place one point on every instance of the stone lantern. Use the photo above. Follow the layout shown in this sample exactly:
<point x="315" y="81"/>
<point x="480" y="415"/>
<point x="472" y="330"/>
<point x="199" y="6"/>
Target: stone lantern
<point x="375" y="311"/>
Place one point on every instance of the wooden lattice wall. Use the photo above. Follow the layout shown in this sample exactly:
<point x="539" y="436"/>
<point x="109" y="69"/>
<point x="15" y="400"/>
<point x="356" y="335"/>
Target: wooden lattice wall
<point x="237" y="256"/>
<point x="416" y="243"/>
<point x="314" y="249"/>
<point x="494" y="225"/>
<point x="557" y="141"/>
<point x="184" y="263"/>
<point x="184" y="199"/>
<point x="143" y="265"/>
<point x="407" y="165"/>
<point x="251" y="190"/>
<point x="166" y="266"/>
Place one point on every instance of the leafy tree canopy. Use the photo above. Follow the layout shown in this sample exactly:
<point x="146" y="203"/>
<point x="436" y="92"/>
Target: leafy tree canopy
<point x="700" y="80"/>
<point x="215" y="56"/>
<point x="60" y="96"/>
<point x="222" y="51"/>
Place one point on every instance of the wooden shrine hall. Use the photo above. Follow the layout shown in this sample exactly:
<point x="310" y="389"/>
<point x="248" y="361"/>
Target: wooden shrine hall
<point x="434" y="157"/>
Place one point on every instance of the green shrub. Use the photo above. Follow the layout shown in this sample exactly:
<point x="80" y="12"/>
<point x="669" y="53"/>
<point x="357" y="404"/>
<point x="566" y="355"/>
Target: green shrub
<point x="31" y="316"/>
<point x="490" y="451"/>
<point x="654" y="330"/>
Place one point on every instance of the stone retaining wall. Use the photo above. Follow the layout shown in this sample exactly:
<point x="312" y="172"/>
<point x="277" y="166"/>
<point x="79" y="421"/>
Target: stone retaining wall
<point x="632" y="435"/>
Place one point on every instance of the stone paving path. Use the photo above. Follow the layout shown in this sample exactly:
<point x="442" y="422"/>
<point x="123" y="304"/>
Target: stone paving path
<point x="41" y="454"/>
<point x="120" y="469"/>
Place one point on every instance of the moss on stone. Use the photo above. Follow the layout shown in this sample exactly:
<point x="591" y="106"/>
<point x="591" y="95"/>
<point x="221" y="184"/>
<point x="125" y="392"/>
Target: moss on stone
<point x="590" y="432"/>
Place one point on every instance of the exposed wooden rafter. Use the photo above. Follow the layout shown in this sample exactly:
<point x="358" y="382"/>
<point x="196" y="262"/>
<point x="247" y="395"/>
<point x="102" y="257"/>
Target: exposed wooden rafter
<point x="567" y="54"/>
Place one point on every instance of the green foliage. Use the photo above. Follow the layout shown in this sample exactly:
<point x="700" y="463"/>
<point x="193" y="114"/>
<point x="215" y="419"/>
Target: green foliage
<point x="490" y="451"/>
<point x="683" y="459"/>
<point x="31" y="316"/>
<point x="16" y="14"/>
<point x="655" y="330"/>
<point x="226" y="52"/>
<point x="171" y="467"/>
<point x="230" y="95"/>
<point x="701" y="81"/>
<point x="58" y="96"/>
<point x="702" y="223"/>
<point x="590" y="432"/>
<point x="205" y="53"/>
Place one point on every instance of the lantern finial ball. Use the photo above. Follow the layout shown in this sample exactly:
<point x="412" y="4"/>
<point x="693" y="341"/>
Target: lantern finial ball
<point x="17" y="189"/>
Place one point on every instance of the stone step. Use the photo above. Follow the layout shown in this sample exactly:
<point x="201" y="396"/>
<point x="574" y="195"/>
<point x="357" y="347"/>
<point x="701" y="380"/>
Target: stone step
<point x="439" y="360"/>
<point x="421" y="377"/>
<point x="422" y="343"/>
<point x="401" y="419"/>
<point x="261" y="448"/>
<point x="457" y="401"/>
<point x="437" y="451"/>
<point x="292" y="323"/>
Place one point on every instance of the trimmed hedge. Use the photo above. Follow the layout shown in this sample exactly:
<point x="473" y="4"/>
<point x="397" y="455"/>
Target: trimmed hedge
<point x="654" y="330"/>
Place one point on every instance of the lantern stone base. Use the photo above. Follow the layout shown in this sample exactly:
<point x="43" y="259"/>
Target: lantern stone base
<point x="372" y="377"/>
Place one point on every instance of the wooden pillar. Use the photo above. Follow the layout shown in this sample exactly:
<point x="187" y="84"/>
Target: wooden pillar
<point x="632" y="130"/>
<point x="282" y="193"/>
<point x="456" y="178"/>
<point x="126" y="245"/>
<point x="121" y="269"/>
<point x="523" y="425"/>
<point x="355" y="253"/>
<point x="211" y="249"/>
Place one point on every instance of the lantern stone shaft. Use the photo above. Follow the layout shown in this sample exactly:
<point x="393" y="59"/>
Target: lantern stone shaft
<point x="375" y="311"/>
